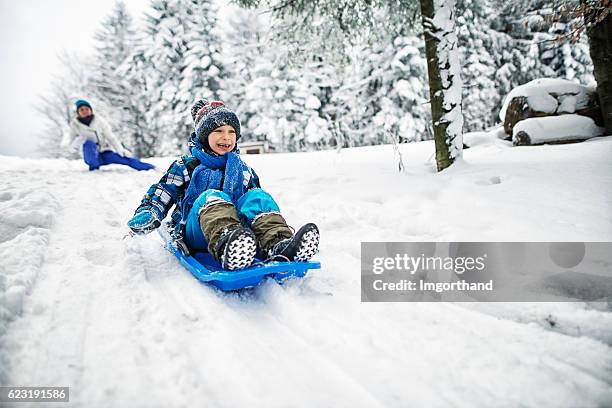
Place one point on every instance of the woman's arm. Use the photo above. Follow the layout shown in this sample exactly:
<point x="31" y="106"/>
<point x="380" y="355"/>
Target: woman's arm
<point x="111" y="138"/>
<point x="71" y="139"/>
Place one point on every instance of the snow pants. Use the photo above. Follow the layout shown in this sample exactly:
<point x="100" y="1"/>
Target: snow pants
<point x="254" y="202"/>
<point x="95" y="159"/>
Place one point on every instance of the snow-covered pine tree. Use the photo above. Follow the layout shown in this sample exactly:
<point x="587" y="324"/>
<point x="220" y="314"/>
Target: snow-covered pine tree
<point x="515" y="58"/>
<point x="310" y="81"/>
<point x="384" y="94"/>
<point x="114" y="42"/>
<point x="360" y="19"/>
<point x="314" y="69"/>
<point x="118" y="97"/>
<point x="245" y="47"/>
<point x="57" y="106"/>
<point x="403" y="110"/>
<point x="184" y="54"/>
<point x="135" y="74"/>
<point x="279" y="100"/>
<point x="285" y="105"/>
<point x="481" y="98"/>
<point x="164" y="62"/>
<point x="203" y="73"/>
<point x="322" y="39"/>
<point x="551" y="24"/>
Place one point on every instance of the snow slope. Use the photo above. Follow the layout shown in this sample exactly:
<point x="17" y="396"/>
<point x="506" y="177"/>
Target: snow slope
<point x="122" y="324"/>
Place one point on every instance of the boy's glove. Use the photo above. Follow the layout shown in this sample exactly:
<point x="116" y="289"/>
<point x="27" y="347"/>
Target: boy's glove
<point x="144" y="222"/>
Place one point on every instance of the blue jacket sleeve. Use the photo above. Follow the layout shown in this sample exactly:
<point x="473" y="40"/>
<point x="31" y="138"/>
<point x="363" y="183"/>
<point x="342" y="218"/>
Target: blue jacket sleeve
<point x="170" y="189"/>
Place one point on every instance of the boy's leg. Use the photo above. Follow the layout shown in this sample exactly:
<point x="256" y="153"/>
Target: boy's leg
<point x="262" y="213"/>
<point x="275" y="237"/>
<point x="193" y="231"/>
<point x="91" y="156"/>
<point x="213" y="225"/>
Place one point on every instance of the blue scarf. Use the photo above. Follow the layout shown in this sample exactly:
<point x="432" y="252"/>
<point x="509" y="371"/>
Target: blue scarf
<point x="208" y="175"/>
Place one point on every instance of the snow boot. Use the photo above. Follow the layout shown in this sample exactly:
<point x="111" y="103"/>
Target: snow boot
<point x="278" y="243"/>
<point x="228" y="241"/>
<point x="235" y="248"/>
<point x="301" y="247"/>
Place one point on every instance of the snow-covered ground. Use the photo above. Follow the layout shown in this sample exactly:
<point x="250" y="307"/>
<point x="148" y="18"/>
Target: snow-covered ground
<point x="122" y="324"/>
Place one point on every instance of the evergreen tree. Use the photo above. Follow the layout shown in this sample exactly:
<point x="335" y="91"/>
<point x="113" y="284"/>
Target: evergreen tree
<point x="403" y="111"/>
<point x="384" y="95"/>
<point x="115" y="41"/>
<point x="362" y="19"/>
<point x="246" y="47"/>
<point x="136" y="77"/>
<point x="559" y="57"/>
<point x="163" y="61"/>
<point x="477" y="45"/>
<point x="285" y="105"/>
<point x="203" y="72"/>
<point x="57" y="107"/>
<point x="523" y="35"/>
<point x="279" y="100"/>
<point x="184" y="52"/>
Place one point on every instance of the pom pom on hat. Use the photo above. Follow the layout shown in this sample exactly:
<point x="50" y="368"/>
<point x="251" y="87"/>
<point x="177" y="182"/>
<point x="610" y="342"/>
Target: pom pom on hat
<point x="196" y="107"/>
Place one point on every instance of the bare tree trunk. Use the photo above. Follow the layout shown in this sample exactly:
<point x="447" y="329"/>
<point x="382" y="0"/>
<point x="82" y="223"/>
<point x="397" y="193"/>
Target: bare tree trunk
<point x="598" y="20"/>
<point x="444" y="79"/>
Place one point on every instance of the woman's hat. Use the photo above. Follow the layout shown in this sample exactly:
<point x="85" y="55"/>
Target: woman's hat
<point x="82" y="102"/>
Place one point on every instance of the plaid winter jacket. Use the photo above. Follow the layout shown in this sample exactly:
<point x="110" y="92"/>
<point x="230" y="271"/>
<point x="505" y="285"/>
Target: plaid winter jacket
<point x="170" y="190"/>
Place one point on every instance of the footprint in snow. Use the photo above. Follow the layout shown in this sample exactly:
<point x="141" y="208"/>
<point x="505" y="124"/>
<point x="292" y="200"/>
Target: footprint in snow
<point x="489" y="181"/>
<point x="103" y="253"/>
<point x="6" y="196"/>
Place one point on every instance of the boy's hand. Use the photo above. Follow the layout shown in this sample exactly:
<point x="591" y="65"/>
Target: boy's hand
<point x="144" y="222"/>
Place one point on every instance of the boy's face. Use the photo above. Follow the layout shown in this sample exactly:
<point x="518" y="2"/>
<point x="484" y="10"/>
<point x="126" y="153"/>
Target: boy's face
<point x="222" y="140"/>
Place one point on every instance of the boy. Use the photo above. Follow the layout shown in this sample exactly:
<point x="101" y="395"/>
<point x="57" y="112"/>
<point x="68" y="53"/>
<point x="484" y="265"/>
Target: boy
<point x="220" y="206"/>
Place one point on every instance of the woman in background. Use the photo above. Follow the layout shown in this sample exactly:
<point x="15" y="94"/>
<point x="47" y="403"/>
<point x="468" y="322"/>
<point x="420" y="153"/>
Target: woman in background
<point x="100" y="146"/>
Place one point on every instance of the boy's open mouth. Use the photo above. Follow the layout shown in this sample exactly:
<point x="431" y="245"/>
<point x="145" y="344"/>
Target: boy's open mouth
<point x="224" y="146"/>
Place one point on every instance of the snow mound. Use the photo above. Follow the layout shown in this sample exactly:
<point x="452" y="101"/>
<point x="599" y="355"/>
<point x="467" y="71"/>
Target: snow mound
<point x="557" y="129"/>
<point x="492" y="136"/>
<point x="25" y="222"/>
<point x="550" y="95"/>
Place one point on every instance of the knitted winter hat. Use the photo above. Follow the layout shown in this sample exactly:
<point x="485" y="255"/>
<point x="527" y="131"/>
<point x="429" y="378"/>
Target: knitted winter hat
<point x="207" y="116"/>
<point x="82" y="102"/>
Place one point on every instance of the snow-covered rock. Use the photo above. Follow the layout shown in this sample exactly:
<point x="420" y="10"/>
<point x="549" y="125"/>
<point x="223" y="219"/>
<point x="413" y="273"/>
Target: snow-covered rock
<point x="555" y="129"/>
<point x="548" y="97"/>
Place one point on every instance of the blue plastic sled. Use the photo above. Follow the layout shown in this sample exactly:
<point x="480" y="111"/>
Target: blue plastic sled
<point x="205" y="268"/>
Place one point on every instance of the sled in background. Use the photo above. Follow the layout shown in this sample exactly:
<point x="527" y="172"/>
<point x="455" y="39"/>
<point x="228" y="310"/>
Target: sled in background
<point x="205" y="268"/>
